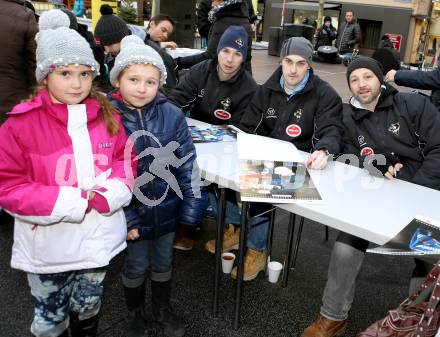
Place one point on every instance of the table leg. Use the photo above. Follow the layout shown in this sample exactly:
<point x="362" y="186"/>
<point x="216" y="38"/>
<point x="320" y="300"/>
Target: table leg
<point x="218" y="248"/>
<point x="298" y="239"/>
<point x="269" y="241"/>
<point x="290" y="234"/>
<point x="240" y="266"/>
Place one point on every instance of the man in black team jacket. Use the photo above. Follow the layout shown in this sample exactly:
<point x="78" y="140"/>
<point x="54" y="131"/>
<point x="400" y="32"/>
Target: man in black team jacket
<point x="297" y="106"/>
<point x="218" y="91"/>
<point x="401" y="129"/>
<point x="160" y="27"/>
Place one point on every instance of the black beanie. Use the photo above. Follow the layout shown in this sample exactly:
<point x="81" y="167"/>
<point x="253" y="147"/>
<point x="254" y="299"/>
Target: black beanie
<point x="109" y="29"/>
<point x="327" y="18"/>
<point x="365" y="62"/>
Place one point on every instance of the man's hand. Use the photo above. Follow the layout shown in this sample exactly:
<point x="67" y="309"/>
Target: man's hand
<point x="317" y="160"/>
<point x="392" y="171"/>
<point x="168" y="44"/>
<point x="133" y="234"/>
<point x="389" y="77"/>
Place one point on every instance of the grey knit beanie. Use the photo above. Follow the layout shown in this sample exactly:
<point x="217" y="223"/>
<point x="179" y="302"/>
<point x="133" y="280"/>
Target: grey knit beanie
<point x="58" y="45"/>
<point x="297" y="46"/>
<point x="135" y="51"/>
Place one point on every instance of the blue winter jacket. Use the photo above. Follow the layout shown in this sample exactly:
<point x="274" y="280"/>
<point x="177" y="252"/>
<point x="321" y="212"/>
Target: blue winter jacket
<point x="167" y="190"/>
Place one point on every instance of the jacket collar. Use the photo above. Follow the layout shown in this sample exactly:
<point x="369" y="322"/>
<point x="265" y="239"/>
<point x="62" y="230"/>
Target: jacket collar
<point x="386" y="100"/>
<point x="57" y="110"/>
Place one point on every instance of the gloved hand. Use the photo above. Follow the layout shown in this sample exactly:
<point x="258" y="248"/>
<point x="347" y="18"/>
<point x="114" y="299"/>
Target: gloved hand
<point x="371" y="163"/>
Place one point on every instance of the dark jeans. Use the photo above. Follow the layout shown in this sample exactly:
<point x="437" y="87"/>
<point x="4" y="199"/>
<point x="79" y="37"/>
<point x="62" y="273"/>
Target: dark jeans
<point x="142" y="256"/>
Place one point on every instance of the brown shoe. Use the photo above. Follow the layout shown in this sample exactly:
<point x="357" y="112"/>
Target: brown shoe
<point x="231" y="239"/>
<point x="183" y="243"/>
<point x="324" y="327"/>
<point x="254" y="262"/>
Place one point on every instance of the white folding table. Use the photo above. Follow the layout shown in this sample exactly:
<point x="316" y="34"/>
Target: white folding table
<point x="374" y="209"/>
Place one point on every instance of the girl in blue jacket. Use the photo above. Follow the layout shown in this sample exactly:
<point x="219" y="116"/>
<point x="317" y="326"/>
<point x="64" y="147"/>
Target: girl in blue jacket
<point x="167" y="192"/>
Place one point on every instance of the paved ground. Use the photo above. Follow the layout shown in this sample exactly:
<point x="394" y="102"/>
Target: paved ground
<point x="268" y="310"/>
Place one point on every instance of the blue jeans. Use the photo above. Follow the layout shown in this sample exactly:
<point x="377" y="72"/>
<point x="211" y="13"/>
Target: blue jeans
<point x="57" y="295"/>
<point x="142" y="256"/>
<point x="259" y="226"/>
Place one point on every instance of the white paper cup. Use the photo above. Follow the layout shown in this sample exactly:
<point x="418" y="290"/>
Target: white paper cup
<point x="274" y="269"/>
<point x="227" y="262"/>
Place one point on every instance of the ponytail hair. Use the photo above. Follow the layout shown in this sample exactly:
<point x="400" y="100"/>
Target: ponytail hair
<point x="108" y="111"/>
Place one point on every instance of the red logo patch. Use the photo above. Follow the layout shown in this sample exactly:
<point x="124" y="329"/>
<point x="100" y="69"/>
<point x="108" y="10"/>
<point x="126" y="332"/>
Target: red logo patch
<point x="222" y="114"/>
<point x="293" y="130"/>
<point x="367" y="151"/>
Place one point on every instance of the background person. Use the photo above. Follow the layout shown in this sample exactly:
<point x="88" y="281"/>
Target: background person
<point x="349" y="35"/>
<point x="18" y="27"/>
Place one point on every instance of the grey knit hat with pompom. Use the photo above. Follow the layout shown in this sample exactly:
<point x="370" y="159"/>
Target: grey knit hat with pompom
<point x="135" y="51"/>
<point x="58" y="45"/>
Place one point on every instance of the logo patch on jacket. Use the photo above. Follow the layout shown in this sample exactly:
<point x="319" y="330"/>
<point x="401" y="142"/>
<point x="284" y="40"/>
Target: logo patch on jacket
<point x="226" y="103"/>
<point x="298" y="113"/>
<point x="361" y="140"/>
<point x="395" y="128"/>
<point x="293" y="130"/>
<point x="222" y="114"/>
<point x="271" y="113"/>
<point x="367" y="151"/>
<point x="202" y="93"/>
<point x="105" y="145"/>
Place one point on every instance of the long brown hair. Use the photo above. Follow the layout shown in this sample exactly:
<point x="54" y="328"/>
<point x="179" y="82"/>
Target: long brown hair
<point x="108" y="110"/>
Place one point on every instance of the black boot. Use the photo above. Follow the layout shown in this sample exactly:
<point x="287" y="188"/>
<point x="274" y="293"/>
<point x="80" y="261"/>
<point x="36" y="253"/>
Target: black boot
<point x="135" y="300"/>
<point x="170" y="323"/>
<point x="84" y="328"/>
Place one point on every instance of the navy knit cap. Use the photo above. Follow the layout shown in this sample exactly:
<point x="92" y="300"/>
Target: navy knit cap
<point x="366" y="62"/>
<point x="109" y="29"/>
<point x="234" y="37"/>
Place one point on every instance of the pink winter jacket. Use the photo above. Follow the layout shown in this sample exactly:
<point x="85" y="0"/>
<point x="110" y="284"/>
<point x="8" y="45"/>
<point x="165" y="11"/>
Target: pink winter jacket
<point x="51" y="156"/>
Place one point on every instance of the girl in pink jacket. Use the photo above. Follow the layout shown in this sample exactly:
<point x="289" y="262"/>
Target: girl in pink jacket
<point x="65" y="175"/>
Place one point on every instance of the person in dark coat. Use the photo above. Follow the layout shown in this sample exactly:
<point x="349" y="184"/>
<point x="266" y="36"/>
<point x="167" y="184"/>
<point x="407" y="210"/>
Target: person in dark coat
<point x="168" y="185"/>
<point x="18" y="27"/>
<point x="326" y="34"/>
<point x="349" y="35"/>
<point x="204" y="25"/>
<point x="110" y="30"/>
<point x="297" y="106"/>
<point x="217" y="92"/>
<point x="418" y="79"/>
<point x="224" y="13"/>
<point x="392" y="135"/>
<point x="159" y="29"/>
